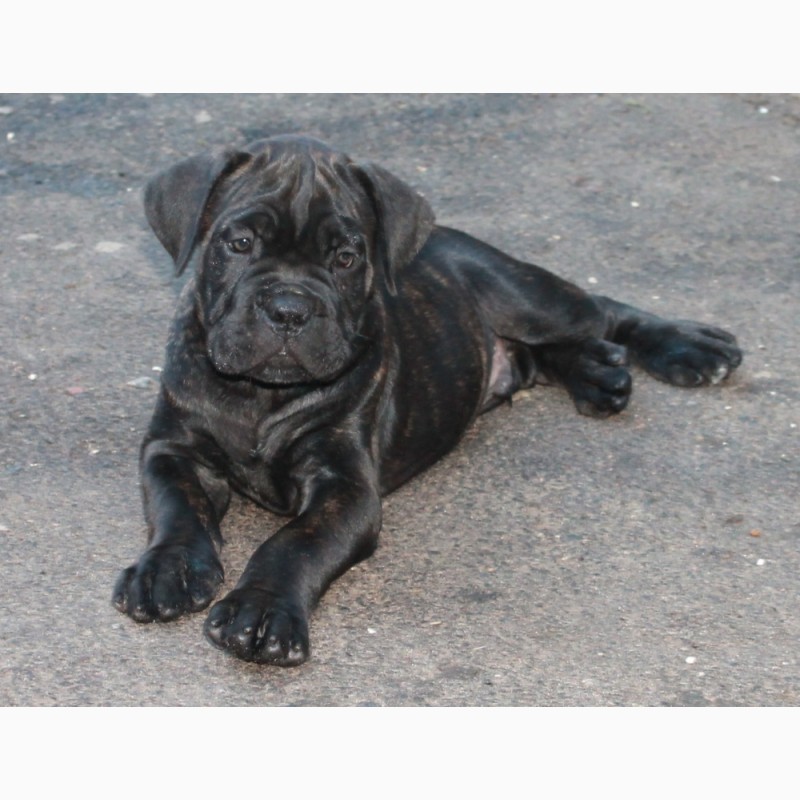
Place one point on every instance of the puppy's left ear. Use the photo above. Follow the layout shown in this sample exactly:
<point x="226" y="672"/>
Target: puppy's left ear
<point x="175" y="199"/>
<point x="405" y="219"/>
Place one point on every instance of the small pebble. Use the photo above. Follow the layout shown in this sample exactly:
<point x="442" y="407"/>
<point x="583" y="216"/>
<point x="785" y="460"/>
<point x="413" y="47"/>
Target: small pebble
<point x="28" y="237"/>
<point x="108" y="247"/>
<point x="760" y="562"/>
<point x="690" y="659"/>
<point x="5" y="110"/>
<point x="371" y="630"/>
<point x="141" y="383"/>
<point x="33" y="376"/>
<point x="202" y="117"/>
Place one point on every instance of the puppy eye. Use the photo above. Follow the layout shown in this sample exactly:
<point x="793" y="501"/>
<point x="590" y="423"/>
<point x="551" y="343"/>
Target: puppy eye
<point x="242" y="245"/>
<point x="345" y="259"/>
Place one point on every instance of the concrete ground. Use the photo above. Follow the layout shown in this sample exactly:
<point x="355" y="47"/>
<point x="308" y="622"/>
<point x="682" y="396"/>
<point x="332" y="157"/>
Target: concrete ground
<point x="551" y="560"/>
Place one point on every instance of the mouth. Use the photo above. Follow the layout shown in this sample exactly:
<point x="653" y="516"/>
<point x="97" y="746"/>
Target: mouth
<point x="278" y="366"/>
<point x="282" y="367"/>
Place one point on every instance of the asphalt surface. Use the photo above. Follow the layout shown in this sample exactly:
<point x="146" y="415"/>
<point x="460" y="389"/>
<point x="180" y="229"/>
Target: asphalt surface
<point x="552" y="559"/>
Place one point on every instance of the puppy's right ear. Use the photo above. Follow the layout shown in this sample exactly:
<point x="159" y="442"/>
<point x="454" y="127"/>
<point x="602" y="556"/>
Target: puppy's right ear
<point x="175" y="199"/>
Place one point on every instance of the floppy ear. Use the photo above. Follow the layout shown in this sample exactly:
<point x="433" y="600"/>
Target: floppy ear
<point x="405" y="219"/>
<point x="175" y="199"/>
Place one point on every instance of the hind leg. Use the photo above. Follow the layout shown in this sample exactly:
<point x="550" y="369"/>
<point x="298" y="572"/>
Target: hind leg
<point x="593" y="370"/>
<point x="580" y="340"/>
<point x="679" y="352"/>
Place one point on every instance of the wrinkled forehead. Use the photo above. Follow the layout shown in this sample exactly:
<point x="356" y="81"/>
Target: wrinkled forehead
<point x="301" y="188"/>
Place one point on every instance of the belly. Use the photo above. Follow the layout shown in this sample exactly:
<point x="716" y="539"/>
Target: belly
<point x="444" y="362"/>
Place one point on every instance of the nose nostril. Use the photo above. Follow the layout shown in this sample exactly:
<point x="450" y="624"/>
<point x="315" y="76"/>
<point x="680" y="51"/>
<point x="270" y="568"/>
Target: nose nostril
<point x="287" y="309"/>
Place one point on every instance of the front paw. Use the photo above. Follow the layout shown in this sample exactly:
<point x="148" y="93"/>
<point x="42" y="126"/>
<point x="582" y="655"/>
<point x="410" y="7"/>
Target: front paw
<point x="257" y="625"/>
<point x="687" y="353"/>
<point x="168" y="581"/>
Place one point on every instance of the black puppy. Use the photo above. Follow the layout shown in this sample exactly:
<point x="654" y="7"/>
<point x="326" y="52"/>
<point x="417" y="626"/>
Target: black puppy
<point x="331" y="343"/>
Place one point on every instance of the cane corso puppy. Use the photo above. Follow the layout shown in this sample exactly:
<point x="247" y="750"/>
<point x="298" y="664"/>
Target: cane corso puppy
<point x="331" y="343"/>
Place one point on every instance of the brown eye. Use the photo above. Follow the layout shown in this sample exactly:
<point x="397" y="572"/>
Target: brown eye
<point x="345" y="259"/>
<point x="243" y="245"/>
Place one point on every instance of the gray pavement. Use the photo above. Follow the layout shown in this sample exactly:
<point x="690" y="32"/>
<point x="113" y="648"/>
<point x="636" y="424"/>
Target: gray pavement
<point x="551" y="560"/>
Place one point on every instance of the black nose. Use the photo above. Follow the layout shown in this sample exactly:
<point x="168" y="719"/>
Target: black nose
<point x="287" y="308"/>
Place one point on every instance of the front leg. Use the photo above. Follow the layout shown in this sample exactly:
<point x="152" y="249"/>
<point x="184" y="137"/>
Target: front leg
<point x="265" y="618"/>
<point x="184" y="502"/>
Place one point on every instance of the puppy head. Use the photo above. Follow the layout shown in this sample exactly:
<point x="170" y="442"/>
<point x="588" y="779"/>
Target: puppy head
<point x="290" y="241"/>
